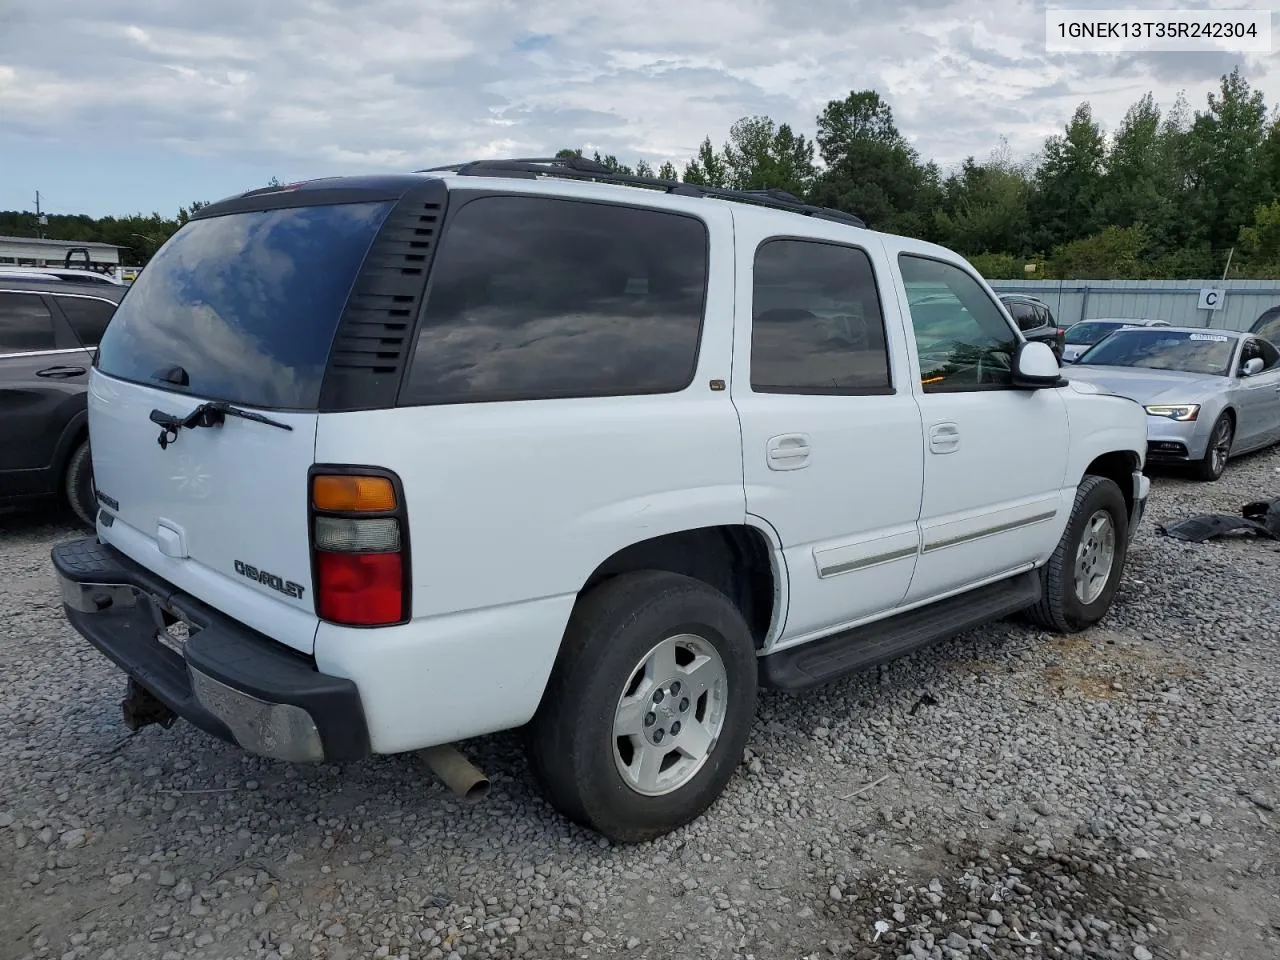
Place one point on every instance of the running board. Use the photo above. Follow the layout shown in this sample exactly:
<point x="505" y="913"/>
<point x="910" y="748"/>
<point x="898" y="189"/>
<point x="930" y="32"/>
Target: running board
<point x="819" y="661"/>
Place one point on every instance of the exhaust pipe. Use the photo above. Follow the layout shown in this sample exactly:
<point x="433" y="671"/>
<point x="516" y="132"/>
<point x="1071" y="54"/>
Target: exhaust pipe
<point x="457" y="772"/>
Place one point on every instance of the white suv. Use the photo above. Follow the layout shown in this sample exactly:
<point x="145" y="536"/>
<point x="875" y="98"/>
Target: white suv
<point x="421" y="457"/>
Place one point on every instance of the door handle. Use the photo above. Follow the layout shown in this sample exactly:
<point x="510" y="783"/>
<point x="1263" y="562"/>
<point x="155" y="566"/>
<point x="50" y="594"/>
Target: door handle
<point x="944" y="438"/>
<point x="789" y="451"/>
<point x="61" y="373"/>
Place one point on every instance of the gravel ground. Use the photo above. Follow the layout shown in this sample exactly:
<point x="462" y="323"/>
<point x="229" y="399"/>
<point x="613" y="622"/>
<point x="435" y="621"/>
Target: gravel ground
<point x="1006" y="794"/>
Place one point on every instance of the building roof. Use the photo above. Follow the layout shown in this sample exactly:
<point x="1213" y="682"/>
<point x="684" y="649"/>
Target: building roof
<point x="61" y="244"/>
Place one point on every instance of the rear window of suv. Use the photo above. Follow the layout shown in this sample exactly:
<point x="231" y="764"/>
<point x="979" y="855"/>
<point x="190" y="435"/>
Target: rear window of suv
<point x="246" y="304"/>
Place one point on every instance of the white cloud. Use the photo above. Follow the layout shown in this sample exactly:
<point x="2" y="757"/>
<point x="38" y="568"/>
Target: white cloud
<point x="393" y="84"/>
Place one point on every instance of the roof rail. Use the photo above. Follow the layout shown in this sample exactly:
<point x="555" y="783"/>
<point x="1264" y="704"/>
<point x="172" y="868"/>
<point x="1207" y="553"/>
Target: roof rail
<point x="582" y="168"/>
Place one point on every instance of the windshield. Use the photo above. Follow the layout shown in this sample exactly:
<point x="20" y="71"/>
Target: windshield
<point x="1157" y="349"/>
<point x="1267" y="326"/>
<point x="246" y="304"/>
<point x="1090" y="331"/>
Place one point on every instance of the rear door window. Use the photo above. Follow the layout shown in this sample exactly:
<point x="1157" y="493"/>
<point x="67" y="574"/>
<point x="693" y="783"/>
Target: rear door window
<point x="88" y="317"/>
<point x="817" y="327"/>
<point x="536" y="298"/>
<point x="26" y="325"/>
<point x="246" y="304"/>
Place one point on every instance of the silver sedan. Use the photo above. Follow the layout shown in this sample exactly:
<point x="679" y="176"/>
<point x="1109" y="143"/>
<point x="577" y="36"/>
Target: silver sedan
<point x="1209" y="394"/>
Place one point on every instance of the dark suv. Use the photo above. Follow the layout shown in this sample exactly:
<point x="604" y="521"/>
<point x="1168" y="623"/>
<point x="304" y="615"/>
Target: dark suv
<point x="49" y="331"/>
<point x="1035" y="320"/>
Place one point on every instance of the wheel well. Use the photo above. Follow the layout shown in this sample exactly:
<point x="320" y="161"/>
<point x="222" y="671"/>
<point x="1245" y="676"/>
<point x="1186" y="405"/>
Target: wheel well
<point x="1118" y="466"/>
<point x="733" y="559"/>
<point x="77" y="438"/>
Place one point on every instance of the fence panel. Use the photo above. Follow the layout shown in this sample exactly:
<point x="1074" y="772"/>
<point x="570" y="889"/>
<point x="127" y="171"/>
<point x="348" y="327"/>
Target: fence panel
<point x="1177" y="301"/>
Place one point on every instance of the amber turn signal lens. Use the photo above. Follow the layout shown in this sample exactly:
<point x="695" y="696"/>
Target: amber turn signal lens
<point x="353" y="494"/>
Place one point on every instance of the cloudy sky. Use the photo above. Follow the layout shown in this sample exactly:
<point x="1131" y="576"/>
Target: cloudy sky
<point x="115" y="106"/>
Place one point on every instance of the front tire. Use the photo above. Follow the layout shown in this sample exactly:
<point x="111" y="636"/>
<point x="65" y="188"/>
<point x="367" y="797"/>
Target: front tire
<point x="78" y="486"/>
<point x="648" y="708"/>
<point x="1081" y="578"/>
<point x="1211" y="466"/>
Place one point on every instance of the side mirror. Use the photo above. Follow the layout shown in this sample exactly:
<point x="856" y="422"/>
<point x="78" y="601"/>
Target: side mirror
<point x="1035" y="366"/>
<point x="1252" y="367"/>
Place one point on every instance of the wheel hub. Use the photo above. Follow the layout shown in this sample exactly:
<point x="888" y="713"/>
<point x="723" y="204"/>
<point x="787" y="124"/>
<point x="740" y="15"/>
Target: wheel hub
<point x="667" y="714"/>
<point x="670" y="715"/>
<point x="1095" y="556"/>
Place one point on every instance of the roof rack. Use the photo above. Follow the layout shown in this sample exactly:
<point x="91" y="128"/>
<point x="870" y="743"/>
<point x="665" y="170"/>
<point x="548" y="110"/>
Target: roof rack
<point x="582" y="168"/>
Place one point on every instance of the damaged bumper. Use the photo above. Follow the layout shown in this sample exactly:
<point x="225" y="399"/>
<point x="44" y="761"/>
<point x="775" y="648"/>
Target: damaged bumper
<point x="226" y="679"/>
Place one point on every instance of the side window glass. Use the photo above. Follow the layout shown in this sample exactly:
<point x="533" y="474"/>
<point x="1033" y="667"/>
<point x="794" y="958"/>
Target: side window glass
<point x="88" y="317"/>
<point x="536" y="298"/>
<point x="1025" y="315"/>
<point x="1046" y="316"/>
<point x="25" y="324"/>
<point x="817" y="326"/>
<point x="963" y="341"/>
<point x="1270" y="355"/>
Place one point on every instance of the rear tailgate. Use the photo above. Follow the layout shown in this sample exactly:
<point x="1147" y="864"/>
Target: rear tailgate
<point x="239" y="308"/>
<point x="221" y="512"/>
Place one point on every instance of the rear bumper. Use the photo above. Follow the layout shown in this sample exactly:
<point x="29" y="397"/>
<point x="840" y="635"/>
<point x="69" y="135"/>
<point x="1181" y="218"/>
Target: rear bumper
<point x="229" y="680"/>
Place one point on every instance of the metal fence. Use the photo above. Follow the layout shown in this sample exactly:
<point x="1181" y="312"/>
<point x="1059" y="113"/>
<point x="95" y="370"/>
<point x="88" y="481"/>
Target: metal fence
<point x="1226" y="304"/>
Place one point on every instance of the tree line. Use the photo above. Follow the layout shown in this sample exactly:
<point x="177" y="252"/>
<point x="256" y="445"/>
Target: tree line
<point x="1171" y="192"/>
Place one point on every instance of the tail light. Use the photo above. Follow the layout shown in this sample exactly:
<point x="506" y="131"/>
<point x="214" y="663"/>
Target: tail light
<point x="359" y="547"/>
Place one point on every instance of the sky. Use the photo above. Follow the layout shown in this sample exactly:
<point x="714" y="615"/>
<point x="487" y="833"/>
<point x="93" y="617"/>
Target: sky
<point x="123" y="106"/>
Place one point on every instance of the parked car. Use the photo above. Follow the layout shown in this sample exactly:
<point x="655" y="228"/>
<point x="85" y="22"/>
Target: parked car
<point x="1035" y="320"/>
<point x="49" y="331"/>
<point x="417" y="458"/>
<point x="1209" y="394"/>
<point x="1079" y="337"/>
<point x="1267" y="326"/>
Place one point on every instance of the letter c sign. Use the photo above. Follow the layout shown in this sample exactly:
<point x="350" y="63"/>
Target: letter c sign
<point x="1211" y="298"/>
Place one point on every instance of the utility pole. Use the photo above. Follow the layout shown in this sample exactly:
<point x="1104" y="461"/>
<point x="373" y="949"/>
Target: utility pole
<point x="40" y="220"/>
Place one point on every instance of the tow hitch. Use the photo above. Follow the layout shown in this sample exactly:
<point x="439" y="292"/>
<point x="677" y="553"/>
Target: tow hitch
<point x="141" y="708"/>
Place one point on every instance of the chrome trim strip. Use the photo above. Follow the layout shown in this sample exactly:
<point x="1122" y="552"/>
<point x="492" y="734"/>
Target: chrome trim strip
<point x="931" y="546"/>
<point x="45" y="353"/>
<point x="863" y="562"/>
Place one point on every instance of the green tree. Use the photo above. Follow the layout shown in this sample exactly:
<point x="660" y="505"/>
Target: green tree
<point x="1113" y="253"/>
<point x="1134" y="190"/>
<point x="761" y="155"/>
<point x="708" y="168"/>
<point x="643" y="169"/>
<point x="1259" y="242"/>
<point x="871" y="170"/>
<point x="612" y="163"/>
<point x="983" y="208"/>
<point x="1224" y="146"/>
<point x="668" y="171"/>
<point x="1067" y="202"/>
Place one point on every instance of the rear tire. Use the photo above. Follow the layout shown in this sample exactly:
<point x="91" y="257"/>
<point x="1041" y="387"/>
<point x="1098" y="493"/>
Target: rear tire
<point x="1214" y="462"/>
<point x="1081" y="578"/>
<point x="78" y="486"/>
<point x="648" y="708"/>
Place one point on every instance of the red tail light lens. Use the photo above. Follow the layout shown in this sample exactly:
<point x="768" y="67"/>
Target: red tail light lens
<point x="360" y="589"/>
<point x="359" y="547"/>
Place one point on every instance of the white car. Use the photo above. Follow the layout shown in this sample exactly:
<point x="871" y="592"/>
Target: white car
<point x="422" y="457"/>
<point x="1079" y="337"/>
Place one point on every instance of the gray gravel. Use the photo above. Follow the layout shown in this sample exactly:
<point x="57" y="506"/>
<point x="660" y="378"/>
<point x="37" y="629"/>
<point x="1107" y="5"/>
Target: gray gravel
<point x="1108" y="795"/>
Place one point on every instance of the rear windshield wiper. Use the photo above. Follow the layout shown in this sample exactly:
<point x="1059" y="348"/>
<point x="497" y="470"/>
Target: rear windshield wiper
<point x="211" y="414"/>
